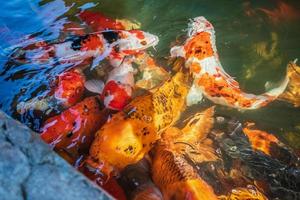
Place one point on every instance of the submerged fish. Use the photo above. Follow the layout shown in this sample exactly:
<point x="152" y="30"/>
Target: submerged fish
<point x="211" y="80"/>
<point x="260" y="140"/>
<point x="99" y="22"/>
<point x="67" y="90"/>
<point x="172" y="172"/>
<point x="136" y="181"/>
<point x="292" y="94"/>
<point x="111" y="43"/>
<point x="281" y="179"/>
<point x="131" y="133"/>
<point x="74" y="126"/>
<point x="150" y="74"/>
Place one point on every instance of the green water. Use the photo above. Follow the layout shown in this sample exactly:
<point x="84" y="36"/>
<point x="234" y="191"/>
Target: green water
<point x="253" y="47"/>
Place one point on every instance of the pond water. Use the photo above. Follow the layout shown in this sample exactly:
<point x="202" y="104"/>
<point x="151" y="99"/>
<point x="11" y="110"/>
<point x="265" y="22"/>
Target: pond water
<point x="255" y="41"/>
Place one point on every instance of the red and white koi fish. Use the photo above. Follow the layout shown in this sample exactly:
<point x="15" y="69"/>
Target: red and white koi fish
<point x="74" y="126"/>
<point x="117" y="90"/>
<point x="210" y="79"/>
<point x="99" y="22"/>
<point x="95" y="45"/>
<point x="66" y="91"/>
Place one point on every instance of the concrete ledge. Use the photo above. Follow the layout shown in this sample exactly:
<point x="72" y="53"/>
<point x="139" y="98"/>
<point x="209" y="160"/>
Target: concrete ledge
<point x="30" y="170"/>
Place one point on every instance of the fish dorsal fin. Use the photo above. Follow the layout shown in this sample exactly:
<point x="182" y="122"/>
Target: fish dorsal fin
<point x="198" y="126"/>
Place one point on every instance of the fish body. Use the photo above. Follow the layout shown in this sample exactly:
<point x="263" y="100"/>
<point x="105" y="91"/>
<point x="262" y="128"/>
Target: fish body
<point x="210" y="78"/>
<point x="74" y="126"/>
<point x="70" y="87"/>
<point x="260" y="140"/>
<point x="100" y="22"/>
<point x="66" y="91"/>
<point x="119" y="85"/>
<point x="136" y="181"/>
<point x="176" y="177"/>
<point x="292" y="94"/>
<point x="112" y="44"/>
<point x="132" y="132"/>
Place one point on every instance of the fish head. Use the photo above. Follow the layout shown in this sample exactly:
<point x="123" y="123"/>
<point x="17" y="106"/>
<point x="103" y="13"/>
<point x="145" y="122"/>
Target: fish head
<point x="134" y="41"/>
<point x="116" y="95"/>
<point x="198" y="25"/>
<point x="117" y="145"/>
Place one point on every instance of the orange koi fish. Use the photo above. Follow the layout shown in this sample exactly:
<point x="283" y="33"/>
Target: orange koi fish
<point x="260" y="140"/>
<point x="176" y="177"/>
<point x="210" y="79"/>
<point x="74" y="126"/>
<point x="292" y="94"/>
<point x="66" y="91"/>
<point x="131" y="133"/>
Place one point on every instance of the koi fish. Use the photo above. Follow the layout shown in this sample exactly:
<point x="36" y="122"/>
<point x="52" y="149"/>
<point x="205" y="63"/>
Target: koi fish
<point x="66" y="91"/>
<point x="292" y="94"/>
<point x="99" y="22"/>
<point x="131" y="133"/>
<point x="98" y="46"/>
<point x="149" y="74"/>
<point x="74" y="126"/>
<point x="210" y="79"/>
<point x="280" y="178"/>
<point x="176" y="177"/>
<point x="282" y="13"/>
<point x="260" y="140"/>
<point x="136" y="181"/>
<point x="121" y="80"/>
<point x="118" y="88"/>
<point x="269" y="144"/>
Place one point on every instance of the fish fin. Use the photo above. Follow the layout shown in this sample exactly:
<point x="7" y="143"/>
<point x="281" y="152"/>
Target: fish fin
<point x="194" y="96"/>
<point x="177" y="51"/>
<point x="275" y="92"/>
<point x="97" y="59"/>
<point x="94" y="85"/>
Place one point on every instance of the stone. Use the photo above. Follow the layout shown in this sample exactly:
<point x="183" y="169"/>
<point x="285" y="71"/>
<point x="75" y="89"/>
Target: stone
<point x="29" y="169"/>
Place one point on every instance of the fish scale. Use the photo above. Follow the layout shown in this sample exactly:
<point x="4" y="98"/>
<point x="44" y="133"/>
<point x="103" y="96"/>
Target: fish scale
<point x="131" y="133"/>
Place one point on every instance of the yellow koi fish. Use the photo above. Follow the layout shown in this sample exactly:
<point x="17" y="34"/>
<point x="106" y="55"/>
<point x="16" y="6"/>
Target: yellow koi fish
<point x="171" y="172"/>
<point x="131" y="133"/>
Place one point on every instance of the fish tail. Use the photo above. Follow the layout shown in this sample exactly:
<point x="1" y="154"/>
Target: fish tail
<point x="269" y="96"/>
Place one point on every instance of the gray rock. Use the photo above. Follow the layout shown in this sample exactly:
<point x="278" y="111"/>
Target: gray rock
<point x="14" y="166"/>
<point x="10" y="191"/>
<point x="29" y="169"/>
<point x="60" y="185"/>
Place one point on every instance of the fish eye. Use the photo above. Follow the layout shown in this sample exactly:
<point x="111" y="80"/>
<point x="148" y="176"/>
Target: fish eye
<point x="143" y="42"/>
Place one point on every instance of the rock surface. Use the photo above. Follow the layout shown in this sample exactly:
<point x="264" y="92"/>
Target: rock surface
<point x="30" y="170"/>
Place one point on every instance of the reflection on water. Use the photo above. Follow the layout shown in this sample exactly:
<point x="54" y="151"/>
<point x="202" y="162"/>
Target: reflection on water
<point x="255" y="41"/>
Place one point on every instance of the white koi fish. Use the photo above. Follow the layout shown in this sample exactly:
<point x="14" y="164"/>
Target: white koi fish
<point x="210" y="78"/>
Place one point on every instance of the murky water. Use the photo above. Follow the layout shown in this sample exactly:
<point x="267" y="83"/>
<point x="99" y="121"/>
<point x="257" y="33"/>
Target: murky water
<point x="255" y="41"/>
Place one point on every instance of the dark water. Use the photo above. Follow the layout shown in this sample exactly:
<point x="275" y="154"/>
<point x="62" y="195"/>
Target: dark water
<point x="255" y="40"/>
